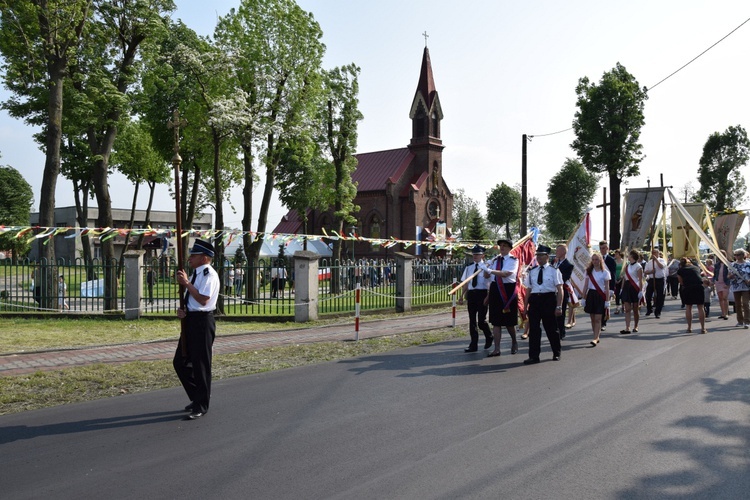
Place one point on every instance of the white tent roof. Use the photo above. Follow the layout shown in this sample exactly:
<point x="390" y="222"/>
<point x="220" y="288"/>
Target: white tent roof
<point x="270" y="248"/>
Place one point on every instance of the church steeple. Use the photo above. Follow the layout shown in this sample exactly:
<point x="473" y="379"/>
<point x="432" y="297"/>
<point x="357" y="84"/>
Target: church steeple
<point x="426" y="112"/>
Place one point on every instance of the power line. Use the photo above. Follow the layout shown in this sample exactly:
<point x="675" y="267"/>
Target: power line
<point x="551" y="133"/>
<point x="696" y="57"/>
<point x="667" y="77"/>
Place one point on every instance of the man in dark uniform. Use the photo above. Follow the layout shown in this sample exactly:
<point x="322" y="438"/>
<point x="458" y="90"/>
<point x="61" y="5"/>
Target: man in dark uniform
<point x="193" y="367"/>
<point x="544" y="305"/>
<point x="475" y="291"/>
<point x="609" y="261"/>
<point x="563" y="265"/>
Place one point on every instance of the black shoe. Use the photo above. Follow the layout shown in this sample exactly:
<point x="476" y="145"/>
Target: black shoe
<point x="556" y="357"/>
<point x="189" y="407"/>
<point x="195" y="415"/>
<point x="531" y="361"/>
<point x="657" y="316"/>
<point x="488" y="342"/>
<point x="648" y="313"/>
<point x="562" y="336"/>
<point x="470" y="349"/>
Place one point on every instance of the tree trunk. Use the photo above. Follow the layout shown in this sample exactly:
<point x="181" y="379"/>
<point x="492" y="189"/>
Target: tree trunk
<point x="121" y="266"/>
<point x="252" y="288"/>
<point x="48" y="285"/>
<point x="100" y="178"/>
<point x="219" y="242"/>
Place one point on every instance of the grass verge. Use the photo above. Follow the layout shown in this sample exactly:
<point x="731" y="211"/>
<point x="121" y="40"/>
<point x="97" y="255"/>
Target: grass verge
<point x="71" y="385"/>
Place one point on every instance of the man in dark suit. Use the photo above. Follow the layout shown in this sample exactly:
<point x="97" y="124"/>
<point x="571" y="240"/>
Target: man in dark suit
<point x="609" y="261"/>
<point x="566" y="270"/>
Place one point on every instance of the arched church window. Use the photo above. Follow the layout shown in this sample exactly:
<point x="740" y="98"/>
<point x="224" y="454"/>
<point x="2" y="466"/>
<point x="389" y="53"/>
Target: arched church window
<point x="375" y="227"/>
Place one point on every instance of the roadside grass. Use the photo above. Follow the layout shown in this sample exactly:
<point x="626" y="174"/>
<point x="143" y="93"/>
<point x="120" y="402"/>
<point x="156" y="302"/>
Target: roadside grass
<point x="44" y="389"/>
<point x="19" y="335"/>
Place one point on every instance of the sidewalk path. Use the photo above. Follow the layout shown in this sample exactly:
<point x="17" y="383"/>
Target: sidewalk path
<point x="18" y="364"/>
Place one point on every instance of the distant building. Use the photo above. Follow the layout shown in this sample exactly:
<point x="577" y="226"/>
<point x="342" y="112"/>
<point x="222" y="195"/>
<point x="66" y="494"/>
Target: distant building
<point x="398" y="190"/>
<point x="71" y="248"/>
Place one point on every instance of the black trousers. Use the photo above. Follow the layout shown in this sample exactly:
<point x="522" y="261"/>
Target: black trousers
<point x="477" y="316"/>
<point x="542" y="310"/>
<point x="194" y="370"/>
<point x="655" y="286"/>
<point x="561" y="319"/>
<point x="674" y="286"/>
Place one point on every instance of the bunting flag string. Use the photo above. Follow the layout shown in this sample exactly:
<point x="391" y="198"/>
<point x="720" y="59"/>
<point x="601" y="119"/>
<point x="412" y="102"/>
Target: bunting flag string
<point x="32" y="233"/>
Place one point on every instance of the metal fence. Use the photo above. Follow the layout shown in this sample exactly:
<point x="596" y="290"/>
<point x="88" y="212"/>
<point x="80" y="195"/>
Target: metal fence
<point x="266" y="289"/>
<point x="61" y="286"/>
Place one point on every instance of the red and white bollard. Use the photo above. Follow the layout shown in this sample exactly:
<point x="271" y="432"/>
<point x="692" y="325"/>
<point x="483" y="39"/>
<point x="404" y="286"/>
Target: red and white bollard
<point x="357" y="300"/>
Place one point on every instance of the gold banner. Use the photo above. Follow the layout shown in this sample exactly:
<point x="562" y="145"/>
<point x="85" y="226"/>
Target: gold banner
<point x="685" y="239"/>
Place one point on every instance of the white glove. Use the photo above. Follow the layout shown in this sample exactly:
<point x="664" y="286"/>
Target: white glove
<point x="583" y="302"/>
<point x="606" y="305"/>
<point x="640" y="295"/>
<point x="482" y="266"/>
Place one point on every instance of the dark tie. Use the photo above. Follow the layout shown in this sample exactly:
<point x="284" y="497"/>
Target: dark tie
<point x="540" y="277"/>
<point x="187" y="292"/>
<point x="474" y="279"/>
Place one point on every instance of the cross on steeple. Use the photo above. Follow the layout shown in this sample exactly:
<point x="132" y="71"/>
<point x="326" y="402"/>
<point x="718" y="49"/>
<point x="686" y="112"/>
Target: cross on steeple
<point x="426" y="36"/>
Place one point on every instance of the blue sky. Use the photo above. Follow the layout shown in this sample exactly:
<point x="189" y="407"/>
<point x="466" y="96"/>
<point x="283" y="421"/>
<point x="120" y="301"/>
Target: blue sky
<point x="504" y="69"/>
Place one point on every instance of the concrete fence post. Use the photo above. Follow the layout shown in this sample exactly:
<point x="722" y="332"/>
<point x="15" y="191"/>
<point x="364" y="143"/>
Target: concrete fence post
<point x="305" y="286"/>
<point x="133" y="283"/>
<point x="404" y="275"/>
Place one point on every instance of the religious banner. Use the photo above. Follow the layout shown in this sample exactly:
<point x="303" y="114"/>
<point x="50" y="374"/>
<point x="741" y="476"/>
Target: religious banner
<point x="525" y="252"/>
<point x="685" y="239"/>
<point x="579" y="254"/>
<point x="726" y="229"/>
<point x="676" y="205"/>
<point x="640" y="206"/>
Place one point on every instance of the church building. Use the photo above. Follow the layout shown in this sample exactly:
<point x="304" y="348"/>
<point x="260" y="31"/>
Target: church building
<point x="400" y="190"/>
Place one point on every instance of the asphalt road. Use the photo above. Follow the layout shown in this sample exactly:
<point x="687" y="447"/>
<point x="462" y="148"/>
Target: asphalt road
<point x="659" y="414"/>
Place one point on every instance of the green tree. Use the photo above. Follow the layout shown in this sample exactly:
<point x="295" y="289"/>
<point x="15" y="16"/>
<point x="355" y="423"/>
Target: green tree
<point x="720" y="176"/>
<point x="340" y="115"/>
<point x="278" y="55"/>
<point x="608" y="127"/>
<point x="462" y="211"/>
<point x="569" y="193"/>
<point x="135" y="157"/>
<point x="39" y="41"/>
<point x="475" y="229"/>
<point x="104" y="77"/>
<point x="16" y="198"/>
<point x="504" y="207"/>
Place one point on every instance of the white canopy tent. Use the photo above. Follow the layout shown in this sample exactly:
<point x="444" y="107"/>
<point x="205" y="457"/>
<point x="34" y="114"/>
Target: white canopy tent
<point x="270" y="248"/>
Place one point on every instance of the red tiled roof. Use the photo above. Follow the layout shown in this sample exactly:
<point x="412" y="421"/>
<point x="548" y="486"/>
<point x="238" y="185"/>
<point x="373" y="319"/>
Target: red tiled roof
<point x="291" y="223"/>
<point x="375" y="169"/>
<point x="416" y="183"/>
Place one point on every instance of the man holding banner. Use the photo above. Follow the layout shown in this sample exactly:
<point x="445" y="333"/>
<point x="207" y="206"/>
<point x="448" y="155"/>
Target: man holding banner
<point x="503" y="298"/>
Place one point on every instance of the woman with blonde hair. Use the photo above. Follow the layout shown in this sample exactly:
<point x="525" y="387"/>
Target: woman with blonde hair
<point x="597" y="294"/>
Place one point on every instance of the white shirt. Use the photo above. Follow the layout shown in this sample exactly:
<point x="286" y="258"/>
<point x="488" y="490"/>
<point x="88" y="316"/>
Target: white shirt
<point x="602" y="278"/>
<point x="658" y="272"/>
<point x="482" y="282"/>
<point x="550" y="279"/>
<point x="207" y="283"/>
<point x="510" y="263"/>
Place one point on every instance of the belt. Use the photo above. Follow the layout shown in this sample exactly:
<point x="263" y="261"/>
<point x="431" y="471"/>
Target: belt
<point x="199" y="313"/>
<point x="543" y="294"/>
<point x="477" y="290"/>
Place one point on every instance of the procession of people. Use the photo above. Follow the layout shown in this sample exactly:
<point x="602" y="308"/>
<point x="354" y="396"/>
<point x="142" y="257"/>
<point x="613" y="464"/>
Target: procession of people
<point x="544" y="290"/>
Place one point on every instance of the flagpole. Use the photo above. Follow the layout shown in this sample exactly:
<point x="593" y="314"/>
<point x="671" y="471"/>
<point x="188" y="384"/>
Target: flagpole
<point x="176" y="162"/>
